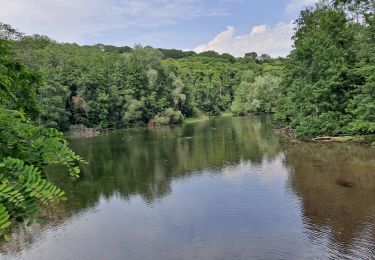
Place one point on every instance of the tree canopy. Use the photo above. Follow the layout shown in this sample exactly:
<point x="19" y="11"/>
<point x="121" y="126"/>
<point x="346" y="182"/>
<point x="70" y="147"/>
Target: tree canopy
<point x="328" y="88"/>
<point x="105" y="86"/>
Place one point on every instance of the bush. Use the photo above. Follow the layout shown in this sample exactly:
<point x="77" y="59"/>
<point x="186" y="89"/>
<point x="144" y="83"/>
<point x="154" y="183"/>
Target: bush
<point x="256" y="97"/>
<point x="25" y="149"/>
<point x="330" y="123"/>
<point x="167" y="117"/>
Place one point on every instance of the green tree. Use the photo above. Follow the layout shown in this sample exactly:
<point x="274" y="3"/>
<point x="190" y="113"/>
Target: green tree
<point x="17" y="83"/>
<point x="26" y="149"/>
<point x="327" y="88"/>
<point x="256" y="95"/>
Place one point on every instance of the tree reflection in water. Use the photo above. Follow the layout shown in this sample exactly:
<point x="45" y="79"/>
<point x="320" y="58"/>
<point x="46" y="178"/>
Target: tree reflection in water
<point x="333" y="186"/>
<point x="336" y="185"/>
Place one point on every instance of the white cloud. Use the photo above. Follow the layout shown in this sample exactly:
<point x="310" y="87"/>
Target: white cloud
<point x="275" y="41"/>
<point x="296" y="5"/>
<point x="259" y="29"/>
<point x="72" y="20"/>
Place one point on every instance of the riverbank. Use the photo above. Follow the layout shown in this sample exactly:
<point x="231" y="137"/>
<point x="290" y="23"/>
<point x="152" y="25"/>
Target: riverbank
<point x="288" y="133"/>
<point x="77" y="131"/>
<point x="285" y="132"/>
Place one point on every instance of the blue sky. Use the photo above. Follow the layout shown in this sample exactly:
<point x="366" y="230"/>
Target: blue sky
<point x="234" y="26"/>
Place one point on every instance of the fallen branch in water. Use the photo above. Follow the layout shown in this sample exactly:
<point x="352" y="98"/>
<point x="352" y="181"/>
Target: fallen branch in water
<point x="288" y="133"/>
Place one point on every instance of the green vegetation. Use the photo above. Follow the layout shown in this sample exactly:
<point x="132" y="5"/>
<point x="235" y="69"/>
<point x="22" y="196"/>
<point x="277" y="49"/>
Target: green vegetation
<point x="216" y="82"/>
<point x="257" y="95"/>
<point x="324" y="87"/>
<point x="329" y="86"/>
<point x="25" y="148"/>
<point x="105" y="86"/>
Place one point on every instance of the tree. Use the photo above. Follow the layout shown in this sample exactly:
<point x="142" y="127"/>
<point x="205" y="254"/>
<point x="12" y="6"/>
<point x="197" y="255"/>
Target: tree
<point x="328" y="88"/>
<point x="251" y="55"/>
<point x="256" y="95"/>
<point x="17" y="83"/>
<point x="265" y="58"/>
<point x="7" y="32"/>
<point x="25" y="149"/>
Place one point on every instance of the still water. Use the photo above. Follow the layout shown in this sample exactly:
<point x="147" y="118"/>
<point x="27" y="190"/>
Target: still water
<point x="227" y="188"/>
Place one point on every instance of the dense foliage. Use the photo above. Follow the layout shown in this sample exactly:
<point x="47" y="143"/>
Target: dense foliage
<point x="104" y="86"/>
<point x="25" y="148"/>
<point x="324" y="87"/>
<point x="258" y="94"/>
<point x="215" y="82"/>
<point x="329" y="86"/>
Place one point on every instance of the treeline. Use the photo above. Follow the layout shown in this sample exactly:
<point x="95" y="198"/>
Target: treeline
<point x="329" y="82"/>
<point x="104" y="86"/>
<point x="324" y="87"/>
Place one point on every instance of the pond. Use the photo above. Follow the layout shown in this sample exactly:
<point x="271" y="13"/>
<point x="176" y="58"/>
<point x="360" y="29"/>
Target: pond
<point x="226" y="188"/>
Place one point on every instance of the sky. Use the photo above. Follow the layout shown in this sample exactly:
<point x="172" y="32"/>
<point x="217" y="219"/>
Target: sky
<point x="225" y="26"/>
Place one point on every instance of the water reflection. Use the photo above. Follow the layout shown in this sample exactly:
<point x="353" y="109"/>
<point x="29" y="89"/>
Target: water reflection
<point x="221" y="189"/>
<point x="336" y="185"/>
<point x="144" y="162"/>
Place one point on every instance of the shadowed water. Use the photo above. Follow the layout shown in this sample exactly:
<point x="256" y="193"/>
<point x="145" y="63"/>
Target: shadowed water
<point x="220" y="189"/>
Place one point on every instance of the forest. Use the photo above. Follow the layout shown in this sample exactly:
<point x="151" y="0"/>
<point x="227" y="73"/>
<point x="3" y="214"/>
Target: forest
<point x="325" y="86"/>
<point x="113" y="87"/>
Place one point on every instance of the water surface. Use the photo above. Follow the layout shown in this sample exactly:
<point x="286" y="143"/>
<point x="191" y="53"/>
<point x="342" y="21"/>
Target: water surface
<point x="222" y="189"/>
